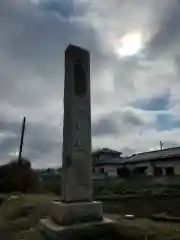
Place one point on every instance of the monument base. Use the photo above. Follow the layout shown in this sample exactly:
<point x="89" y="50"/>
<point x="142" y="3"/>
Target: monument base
<point x="105" y="229"/>
<point x="74" y="213"/>
<point x="80" y="220"/>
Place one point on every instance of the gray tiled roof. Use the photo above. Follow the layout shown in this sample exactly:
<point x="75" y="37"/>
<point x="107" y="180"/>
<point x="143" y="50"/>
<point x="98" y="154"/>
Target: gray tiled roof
<point x="145" y="156"/>
<point x="107" y="159"/>
<point x="107" y="151"/>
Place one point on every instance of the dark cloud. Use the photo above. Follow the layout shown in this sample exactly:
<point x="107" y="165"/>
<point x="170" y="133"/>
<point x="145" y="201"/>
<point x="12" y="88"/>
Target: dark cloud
<point x="131" y="119"/>
<point x="32" y="53"/>
<point x="65" y="8"/>
<point x="34" y="35"/>
<point x="116" y="123"/>
<point x="13" y="127"/>
<point x="40" y="140"/>
<point x="43" y="138"/>
<point x="105" y="126"/>
<point x="32" y="44"/>
<point x="170" y="144"/>
<point x="168" y="33"/>
<point x="8" y="145"/>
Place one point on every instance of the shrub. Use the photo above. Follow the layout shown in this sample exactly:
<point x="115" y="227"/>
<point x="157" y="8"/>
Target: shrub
<point x="18" y="177"/>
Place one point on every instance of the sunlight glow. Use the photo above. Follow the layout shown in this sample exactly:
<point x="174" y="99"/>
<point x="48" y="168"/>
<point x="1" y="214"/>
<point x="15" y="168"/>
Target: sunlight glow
<point x="14" y="154"/>
<point x="128" y="45"/>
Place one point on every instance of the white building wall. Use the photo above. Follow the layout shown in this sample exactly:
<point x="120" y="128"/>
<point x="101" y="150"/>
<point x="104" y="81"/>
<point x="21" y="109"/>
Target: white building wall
<point x="177" y="168"/>
<point x="163" y="164"/>
<point x="169" y="163"/>
<point x="111" y="170"/>
<point x="149" y="170"/>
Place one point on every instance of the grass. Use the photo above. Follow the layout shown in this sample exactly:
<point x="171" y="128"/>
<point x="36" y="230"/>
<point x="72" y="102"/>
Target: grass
<point x="19" y="216"/>
<point x="142" y="186"/>
<point x="146" y="228"/>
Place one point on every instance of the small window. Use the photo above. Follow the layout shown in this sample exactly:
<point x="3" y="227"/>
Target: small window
<point x="93" y="170"/>
<point x="158" y="171"/>
<point x="169" y="171"/>
<point x="101" y="170"/>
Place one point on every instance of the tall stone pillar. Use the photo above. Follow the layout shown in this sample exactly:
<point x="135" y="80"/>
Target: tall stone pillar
<point x="77" y="214"/>
<point x="76" y="184"/>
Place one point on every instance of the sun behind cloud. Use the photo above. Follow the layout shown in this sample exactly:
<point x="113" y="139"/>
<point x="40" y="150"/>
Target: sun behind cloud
<point x="128" y="45"/>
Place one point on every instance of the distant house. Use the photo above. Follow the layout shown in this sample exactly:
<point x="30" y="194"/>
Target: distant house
<point x="107" y="162"/>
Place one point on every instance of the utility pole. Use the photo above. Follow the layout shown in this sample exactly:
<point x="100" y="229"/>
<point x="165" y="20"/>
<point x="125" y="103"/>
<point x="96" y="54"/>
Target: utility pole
<point x="22" y="139"/>
<point x="161" y="145"/>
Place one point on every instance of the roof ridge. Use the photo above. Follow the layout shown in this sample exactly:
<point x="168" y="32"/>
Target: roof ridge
<point x="157" y="150"/>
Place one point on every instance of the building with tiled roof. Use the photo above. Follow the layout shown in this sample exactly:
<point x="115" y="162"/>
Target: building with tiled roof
<point x="108" y="162"/>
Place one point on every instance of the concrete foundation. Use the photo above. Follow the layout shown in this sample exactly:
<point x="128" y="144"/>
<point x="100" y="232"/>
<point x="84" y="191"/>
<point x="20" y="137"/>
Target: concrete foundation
<point x="105" y="229"/>
<point x="78" y="212"/>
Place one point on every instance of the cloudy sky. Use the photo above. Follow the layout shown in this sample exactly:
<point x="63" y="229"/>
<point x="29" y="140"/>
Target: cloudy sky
<point x="135" y="73"/>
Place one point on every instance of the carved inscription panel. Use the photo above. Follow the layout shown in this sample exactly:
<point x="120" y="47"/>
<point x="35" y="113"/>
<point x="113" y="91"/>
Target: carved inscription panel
<point x="79" y="80"/>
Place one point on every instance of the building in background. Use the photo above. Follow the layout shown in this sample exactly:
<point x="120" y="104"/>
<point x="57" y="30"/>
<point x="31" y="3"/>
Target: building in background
<point x="165" y="162"/>
<point x="106" y="162"/>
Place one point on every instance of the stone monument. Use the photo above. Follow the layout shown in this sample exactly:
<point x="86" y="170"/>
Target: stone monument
<point x="77" y="127"/>
<point x="76" y="207"/>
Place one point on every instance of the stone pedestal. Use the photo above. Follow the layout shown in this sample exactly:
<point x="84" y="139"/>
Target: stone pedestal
<point x="74" y="213"/>
<point x="67" y="219"/>
<point x="105" y="229"/>
<point x="79" y="220"/>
